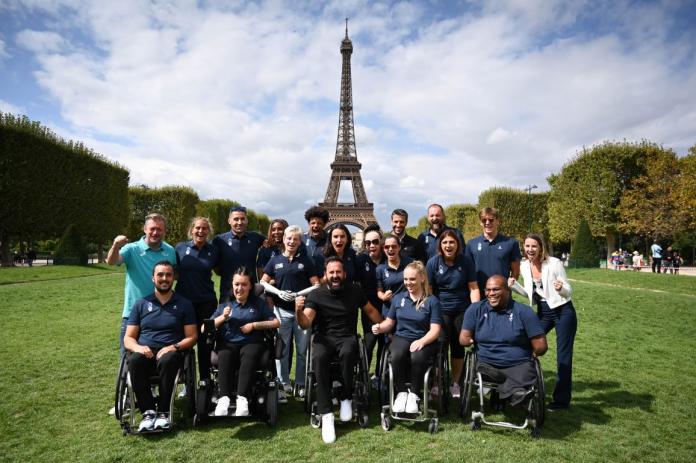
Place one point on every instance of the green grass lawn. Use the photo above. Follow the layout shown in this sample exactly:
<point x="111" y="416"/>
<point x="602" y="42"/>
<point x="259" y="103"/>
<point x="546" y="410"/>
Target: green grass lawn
<point x="633" y="399"/>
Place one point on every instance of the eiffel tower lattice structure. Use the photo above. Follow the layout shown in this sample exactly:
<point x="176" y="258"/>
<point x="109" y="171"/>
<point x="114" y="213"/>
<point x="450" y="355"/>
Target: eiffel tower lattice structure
<point x="360" y="212"/>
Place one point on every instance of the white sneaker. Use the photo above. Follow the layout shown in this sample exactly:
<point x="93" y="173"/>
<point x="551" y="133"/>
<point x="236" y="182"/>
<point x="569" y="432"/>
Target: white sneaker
<point x="455" y="392"/>
<point x="412" y="403"/>
<point x="400" y="402"/>
<point x="112" y="411"/>
<point x="328" y="433"/>
<point x="162" y="421"/>
<point x="223" y="406"/>
<point x="148" y="421"/>
<point x="346" y="410"/>
<point x="242" y="406"/>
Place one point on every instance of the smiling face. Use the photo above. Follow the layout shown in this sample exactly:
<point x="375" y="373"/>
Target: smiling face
<point x="163" y="278"/>
<point x="490" y="225"/>
<point x="238" y="222"/>
<point x="398" y="224"/>
<point x="154" y="232"/>
<point x="291" y="241"/>
<point x="241" y="286"/>
<point x="277" y="232"/>
<point x="436" y="218"/>
<point x="373" y="244"/>
<point x="391" y="248"/>
<point x="532" y="249"/>
<point x="316" y="227"/>
<point x="339" y="240"/>
<point x="449" y="247"/>
<point x="335" y="275"/>
<point x="497" y="292"/>
<point x="413" y="282"/>
<point x="199" y="232"/>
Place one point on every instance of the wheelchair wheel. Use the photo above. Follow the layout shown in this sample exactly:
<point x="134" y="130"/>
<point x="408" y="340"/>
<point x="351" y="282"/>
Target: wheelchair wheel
<point x="121" y="395"/>
<point x="468" y="385"/>
<point x="363" y="388"/>
<point x="309" y="392"/>
<point x="386" y="422"/>
<point x="203" y="399"/>
<point x="433" y="426"/>
<point x="190" y="382"/>
<point x="272" y="405"/>
<point x="442" y="383"/>
<point x="540" y="399"/>
<point x="314" y="418"/>
<point x="384" y="380"/>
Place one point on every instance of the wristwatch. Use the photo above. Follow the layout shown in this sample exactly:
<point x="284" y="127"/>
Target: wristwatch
<point x="177" y="347"/>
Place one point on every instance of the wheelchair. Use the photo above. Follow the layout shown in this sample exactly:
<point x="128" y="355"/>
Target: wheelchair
<point x="182" y="401"/>
<point x="263" y="403"/>
<point x="435" y="385"/>
<point x="476" y="386"/>
<point x="361" y="386"/>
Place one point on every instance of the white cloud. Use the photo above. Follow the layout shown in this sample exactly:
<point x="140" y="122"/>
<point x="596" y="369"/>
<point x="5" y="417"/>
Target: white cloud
<point x="241" y="102"/>
<point x="9" y="108"/>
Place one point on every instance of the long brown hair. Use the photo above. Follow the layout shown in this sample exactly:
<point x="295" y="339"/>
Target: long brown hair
<point x="540" y="240"/>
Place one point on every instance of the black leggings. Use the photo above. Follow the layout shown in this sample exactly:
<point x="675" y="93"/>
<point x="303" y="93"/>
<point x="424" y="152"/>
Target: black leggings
<point x="323" y="351"/>
<point x="372" y="340"/>
<point x="243" y="357"/>
<point x="400" y="358"/>
<point x="203" y="310"/>
<point x="141" y="368"/>
<point x="450" y="332"/>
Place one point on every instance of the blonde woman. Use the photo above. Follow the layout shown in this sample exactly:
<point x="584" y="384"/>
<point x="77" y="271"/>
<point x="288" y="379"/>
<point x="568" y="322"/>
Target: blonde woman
<point x="418" y="321"/>
<point x="546" y="286"/>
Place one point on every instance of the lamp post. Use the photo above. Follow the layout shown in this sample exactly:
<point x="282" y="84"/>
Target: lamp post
<point x="529" y="189"/>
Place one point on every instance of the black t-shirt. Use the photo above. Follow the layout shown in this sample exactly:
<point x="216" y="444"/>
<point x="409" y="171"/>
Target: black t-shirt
<point x="337" y="313"/>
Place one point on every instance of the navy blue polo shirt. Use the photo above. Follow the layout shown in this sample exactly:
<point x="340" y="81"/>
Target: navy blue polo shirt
<point x="161" y="325"/>
<point x="195" y="268"/>
<point x="412" y="324"/>
<point x="502" y="337"/>
<point x="367" y="277"/>
<point x="492" y="257"/>
<point x="390" y="278"/>
<point x="451" y="283"/>
<point x="265" y="255"/>
<point x="429" y="242"/>
<point x="290" y="275"/>
<point x="235" y="252"/>
<point x="315" y="249"/>
<point x="254" y="309"/>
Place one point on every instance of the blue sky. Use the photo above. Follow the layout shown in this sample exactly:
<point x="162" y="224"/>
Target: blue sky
<point x="239" y="100"/>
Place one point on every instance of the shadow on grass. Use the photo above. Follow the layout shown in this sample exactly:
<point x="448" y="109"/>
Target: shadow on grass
<point x="593" y="406"/>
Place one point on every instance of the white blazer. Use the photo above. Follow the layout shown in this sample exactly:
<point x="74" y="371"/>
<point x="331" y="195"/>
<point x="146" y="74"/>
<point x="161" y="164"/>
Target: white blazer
<point x="551" y="270"/>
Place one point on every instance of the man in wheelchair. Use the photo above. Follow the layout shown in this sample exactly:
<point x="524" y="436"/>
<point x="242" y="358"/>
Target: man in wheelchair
<point x="508" y="336"/>
<point x="332" y="311"/>
<point x="160" y="327"/>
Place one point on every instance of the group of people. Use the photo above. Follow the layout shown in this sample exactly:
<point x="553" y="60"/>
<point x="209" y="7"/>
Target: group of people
<point x="665" y="260"/>
<point x="413" y="292"/>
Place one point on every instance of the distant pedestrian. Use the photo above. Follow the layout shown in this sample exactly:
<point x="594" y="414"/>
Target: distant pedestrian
<point x="656" y="250"/>
<point x="677" y="261"/>
<point x="31" y="257"/>
<point x="667" y="260"/>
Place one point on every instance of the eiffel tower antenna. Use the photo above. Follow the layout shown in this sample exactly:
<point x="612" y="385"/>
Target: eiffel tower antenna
<point x="346" y="167"/>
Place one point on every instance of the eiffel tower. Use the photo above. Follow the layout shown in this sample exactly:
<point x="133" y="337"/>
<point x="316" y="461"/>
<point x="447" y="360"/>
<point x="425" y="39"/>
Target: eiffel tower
<point x="360" y="212"/>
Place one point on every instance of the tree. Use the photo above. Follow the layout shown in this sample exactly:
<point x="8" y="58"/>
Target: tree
<point x="217" y="211"/>
<point x="584" y="251"/>
<point x="520" y="212"/>
<point x="71" y="249"/>
<point x="591" y="185"/>
<point x="464" y="217"/>
<point x="176" y="203"/>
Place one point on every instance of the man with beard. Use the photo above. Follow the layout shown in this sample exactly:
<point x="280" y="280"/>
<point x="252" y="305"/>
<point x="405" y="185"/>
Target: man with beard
<point x="507" y="335"/>
<point x="315" y="239"/>
<point x="332" y="311"/>
<point x="237" y="248"/>
<point x="410" y="246"/>
<point x="493" y="253"/>
<point x="436" y="224"/>
<point x="160" y="326"/>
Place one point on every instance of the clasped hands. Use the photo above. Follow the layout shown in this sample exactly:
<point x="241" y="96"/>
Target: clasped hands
<point x="288" y="296"/>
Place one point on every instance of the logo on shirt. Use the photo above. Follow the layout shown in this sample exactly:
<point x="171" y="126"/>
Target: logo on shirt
<point x="460" y="268"/>
<point x="252" y="310"/>
<point x="427" y="239"/>
<point x="511" y="316"/>
<point x="440" y="269"/>
<point x="149" y="307"/>
<point x="188" y="251"/>
<point x="229" y="241"/>
<point x="174" y="308"/>
<point x="367" y="267"/>
<point x="277" y="266"/>
<point x="386" y="274"/>
<point x="500" y="246"/>
<point x="479" y="246"/>
<point x="300" y="266"/>
<point x="403" y="301"/>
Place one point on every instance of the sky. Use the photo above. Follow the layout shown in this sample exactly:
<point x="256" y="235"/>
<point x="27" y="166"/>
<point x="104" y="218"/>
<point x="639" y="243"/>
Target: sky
<point x="239" y="100"/>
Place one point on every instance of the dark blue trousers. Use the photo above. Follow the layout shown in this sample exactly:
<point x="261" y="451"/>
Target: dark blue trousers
<point x="565" y="321"/>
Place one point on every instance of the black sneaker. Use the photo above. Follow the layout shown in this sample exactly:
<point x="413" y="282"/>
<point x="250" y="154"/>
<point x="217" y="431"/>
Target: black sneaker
<point x="555" y="407"/>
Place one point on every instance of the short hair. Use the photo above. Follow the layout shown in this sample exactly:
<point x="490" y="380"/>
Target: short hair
<point x="451" y="234"/>
<point x="372" y="228"/>
<point x="489" y="211"/>
<point x="331" y="259"/>
<point x="193" y="224"/>
<point x="166" y="263"/>
<point x="238" y="208"/>
<point x="292" y="229"/>
<point x="400" y="213"/>
<point x="328" y="247"/>
<point x="156" y="217"/>
<point x="390" y="236"/>
<point x="439" y="206"/>
<point x="317" y="212"/>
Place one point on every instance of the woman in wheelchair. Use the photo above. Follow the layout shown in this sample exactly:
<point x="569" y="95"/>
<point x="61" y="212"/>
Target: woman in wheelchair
<point x="241" y="323"/>
<point x="508" y="336"/>
<point x="160" y="327"/>
<point x="418" y="321"/>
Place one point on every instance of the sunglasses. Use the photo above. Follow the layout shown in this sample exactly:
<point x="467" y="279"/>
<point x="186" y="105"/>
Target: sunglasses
<point x="391" y="246"/>
<point x="487" y="220"/>
<point x="374" y="242"/>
